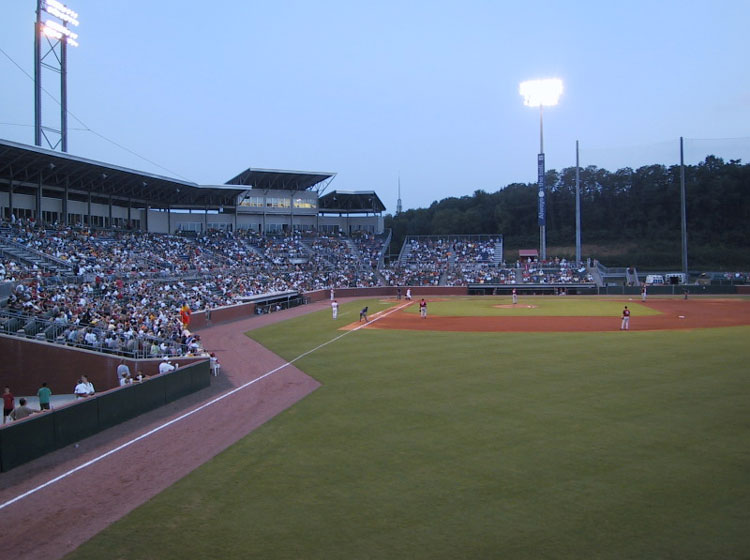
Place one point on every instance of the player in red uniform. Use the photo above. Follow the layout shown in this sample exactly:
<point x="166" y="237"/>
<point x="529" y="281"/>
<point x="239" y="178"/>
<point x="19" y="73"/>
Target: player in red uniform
<point x="423" y="308"/>
<point x="625" y="325"/>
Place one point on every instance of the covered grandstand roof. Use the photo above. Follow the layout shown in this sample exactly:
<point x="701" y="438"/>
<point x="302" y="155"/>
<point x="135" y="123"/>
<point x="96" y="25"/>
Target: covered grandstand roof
<point x="351" y="202"/>
<point x="274" y="179"/>
<point x="28" y="165"/>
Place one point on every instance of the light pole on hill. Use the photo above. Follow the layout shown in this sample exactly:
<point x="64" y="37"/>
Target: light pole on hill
<point x="538" y="93"/>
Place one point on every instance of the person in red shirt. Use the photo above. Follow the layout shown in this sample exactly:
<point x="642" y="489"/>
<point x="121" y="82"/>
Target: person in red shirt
<point x="625" y="325"/>
<point x="423" y="308"/>
<point x="8" y="403"/>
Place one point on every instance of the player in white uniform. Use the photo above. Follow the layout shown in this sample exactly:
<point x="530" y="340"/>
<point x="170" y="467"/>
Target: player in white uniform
<point x="335" y="309"/>
<point x="515" y="296"/>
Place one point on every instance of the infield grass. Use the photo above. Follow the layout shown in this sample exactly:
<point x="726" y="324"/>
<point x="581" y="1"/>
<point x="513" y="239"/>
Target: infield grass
<point x="532" y="306"/>
<point x="475" y="445"/>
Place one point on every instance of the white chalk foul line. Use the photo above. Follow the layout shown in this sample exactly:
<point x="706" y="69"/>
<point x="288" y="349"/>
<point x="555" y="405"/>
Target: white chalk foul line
<point x="189" y="413"/>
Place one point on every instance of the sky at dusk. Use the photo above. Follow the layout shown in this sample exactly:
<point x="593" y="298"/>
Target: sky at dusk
<point x="376" y="91"/>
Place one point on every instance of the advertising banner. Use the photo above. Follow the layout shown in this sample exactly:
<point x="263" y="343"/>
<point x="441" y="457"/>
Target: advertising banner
<point x="540" y="181"/>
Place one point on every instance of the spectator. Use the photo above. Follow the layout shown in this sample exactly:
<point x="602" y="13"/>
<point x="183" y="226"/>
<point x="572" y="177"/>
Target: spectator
<point x="82" y="388"/>
<point x="123" y="372"/>
<point x="165" y="366"/>
<point x="89" y="386"/>
<point x="9" y="403"/>
<point x="21" y="411"/>
<point x="44" y="393"/>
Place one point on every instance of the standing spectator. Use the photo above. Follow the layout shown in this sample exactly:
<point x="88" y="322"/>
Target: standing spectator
<point x="44" y="393"/>
<point x="81" y="391"/>
<point x="89" y="386"/>
<point x="165" y="366"/>
<point x="625" y="325"/>
<point x="21" y="411"/>
<point x="8" y="403"/>
<point x="335" y="309"/>
<point x="123" y="372"/>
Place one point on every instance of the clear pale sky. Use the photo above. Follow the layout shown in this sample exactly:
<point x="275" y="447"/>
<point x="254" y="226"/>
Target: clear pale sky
<point x="424" y="90"/>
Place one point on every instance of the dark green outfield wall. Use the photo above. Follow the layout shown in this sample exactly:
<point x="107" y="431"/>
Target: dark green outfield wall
<point x="41" y="433"/>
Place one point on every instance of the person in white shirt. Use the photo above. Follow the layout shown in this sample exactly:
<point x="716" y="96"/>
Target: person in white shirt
<point x="89" y="386"/>
<point x="84" y="388"/>
<point x="335" y="309"/>
<point x="165" y="366"/>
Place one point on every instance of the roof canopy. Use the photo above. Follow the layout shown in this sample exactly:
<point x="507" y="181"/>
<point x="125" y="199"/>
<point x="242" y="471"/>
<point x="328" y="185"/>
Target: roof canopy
<point x="30" y="165"/>
<point x="351" y="202"/>
<point x="274" y="179"/>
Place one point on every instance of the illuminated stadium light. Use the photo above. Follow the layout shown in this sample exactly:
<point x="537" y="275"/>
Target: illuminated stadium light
<point x="53" y="22"/>
<point x="537" y="93"/>
<point x="61" y="12"/>
<point x="541" y="93"/>
<point x="57" y="31"/>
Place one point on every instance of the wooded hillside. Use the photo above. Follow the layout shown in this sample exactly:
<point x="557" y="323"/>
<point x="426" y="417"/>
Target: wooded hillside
<point x="635" y="214"/>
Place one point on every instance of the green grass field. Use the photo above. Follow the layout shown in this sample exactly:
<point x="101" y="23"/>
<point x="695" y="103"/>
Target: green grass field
<point x="475" y="445"/>
<point x="477" y="306"/>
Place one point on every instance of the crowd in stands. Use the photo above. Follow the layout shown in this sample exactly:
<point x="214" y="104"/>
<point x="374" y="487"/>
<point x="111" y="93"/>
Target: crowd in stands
<point x="554" y="271"/>
<point x="122" y="291"/>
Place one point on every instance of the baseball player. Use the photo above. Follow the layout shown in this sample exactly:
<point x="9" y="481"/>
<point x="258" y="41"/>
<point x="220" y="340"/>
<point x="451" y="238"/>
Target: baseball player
<point x="335" y="309"/>
<point x="408" y="294"/>
<point x="423" y="309"/>
<point x="515" y="296"/>
<point x="625" y="325"/>
<point x="643" y="293"/>
<point x="363" y="315"/>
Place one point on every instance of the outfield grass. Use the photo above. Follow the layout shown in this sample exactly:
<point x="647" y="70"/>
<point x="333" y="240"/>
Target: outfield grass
<point x="475" y="445"/>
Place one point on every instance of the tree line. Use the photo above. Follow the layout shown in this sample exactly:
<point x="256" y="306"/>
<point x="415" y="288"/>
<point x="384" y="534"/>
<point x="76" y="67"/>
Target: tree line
<point x="628" y="217"/>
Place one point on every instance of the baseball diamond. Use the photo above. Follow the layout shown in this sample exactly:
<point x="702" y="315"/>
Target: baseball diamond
<point x="493" y="423"/>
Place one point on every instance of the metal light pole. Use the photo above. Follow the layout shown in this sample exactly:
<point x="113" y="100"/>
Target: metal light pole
<point x="53" y="56"/>
<point x="540" y="93"/>
<point x="578" y="207"/>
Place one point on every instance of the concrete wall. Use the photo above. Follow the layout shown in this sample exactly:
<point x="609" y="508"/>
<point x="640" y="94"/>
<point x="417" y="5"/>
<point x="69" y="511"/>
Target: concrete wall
<point x="39" y="434"/>
<point x="26" y="363"/>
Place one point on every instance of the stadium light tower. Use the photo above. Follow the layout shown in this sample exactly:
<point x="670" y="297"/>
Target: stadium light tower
<point x="58" y="36"/>
<point x="538" y="93"/>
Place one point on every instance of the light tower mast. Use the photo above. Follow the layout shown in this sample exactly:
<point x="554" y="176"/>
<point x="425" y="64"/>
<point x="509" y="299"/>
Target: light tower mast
<point x="54" y="57"/>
